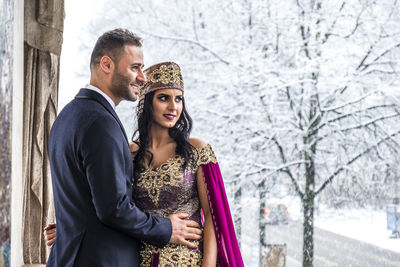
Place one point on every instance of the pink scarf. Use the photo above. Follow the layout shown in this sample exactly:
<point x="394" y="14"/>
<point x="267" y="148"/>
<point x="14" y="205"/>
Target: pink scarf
<point x="228" y="248"/>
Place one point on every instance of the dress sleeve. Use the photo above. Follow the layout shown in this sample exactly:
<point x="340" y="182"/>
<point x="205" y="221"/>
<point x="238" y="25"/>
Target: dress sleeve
<point x="205" y="155"/>
<point x="228" y="247"/>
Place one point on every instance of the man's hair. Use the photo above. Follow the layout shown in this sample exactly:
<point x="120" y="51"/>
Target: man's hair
<point x="112" y="44"/>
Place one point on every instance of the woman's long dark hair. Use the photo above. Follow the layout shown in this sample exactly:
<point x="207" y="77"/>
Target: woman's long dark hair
<point x="180" y="133"/>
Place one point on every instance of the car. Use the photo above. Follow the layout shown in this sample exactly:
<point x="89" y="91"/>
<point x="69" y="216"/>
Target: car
<point x="276" y="214"/>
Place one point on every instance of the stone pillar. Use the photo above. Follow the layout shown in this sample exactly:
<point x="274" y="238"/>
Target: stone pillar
<point x="16" y="136"/>
<point x="6" y="63"/>
<point x="44" y="21"/>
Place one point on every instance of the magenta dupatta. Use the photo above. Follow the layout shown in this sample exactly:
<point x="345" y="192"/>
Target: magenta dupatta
<point x="228" y="247"/>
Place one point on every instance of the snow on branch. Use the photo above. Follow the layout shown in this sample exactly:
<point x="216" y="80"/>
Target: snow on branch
<point x="352" y="102"/>
<point x="351" y="114"/>
<point x="286" y="169"/>
<point x="342" y="168"/>
<point x="179" y="39"/>
<point x="363" y="125"/>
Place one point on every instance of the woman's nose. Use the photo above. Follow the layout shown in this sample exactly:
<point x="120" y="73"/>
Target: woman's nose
<point x="172" y="105"/>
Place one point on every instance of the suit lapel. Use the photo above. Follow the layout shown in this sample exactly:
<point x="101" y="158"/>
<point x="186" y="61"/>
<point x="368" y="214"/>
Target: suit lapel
<point x="90" y="94"/>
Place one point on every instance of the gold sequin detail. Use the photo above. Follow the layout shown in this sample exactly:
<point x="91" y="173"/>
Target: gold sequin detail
<point x="205" y="155"/>
<point x="170" y="172"/>
<point x="161" y="78"/>
<point x="154" y="180"/>
<point x="171" y="255"/>
<point x="166" y="74"/>
<point x="167" y="173"/>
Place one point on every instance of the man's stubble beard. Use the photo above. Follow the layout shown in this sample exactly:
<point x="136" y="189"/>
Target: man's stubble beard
<point x="120" y="86"/>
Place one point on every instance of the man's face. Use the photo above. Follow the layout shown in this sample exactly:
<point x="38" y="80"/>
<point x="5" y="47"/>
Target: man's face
<point x="128" y="74"/>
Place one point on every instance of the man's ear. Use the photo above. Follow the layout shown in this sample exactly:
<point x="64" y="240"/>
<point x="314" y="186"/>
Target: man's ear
<point x="107" y="64"/>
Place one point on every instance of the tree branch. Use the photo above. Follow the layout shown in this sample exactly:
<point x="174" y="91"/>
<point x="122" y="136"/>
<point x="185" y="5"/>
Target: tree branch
<point x="344" y="116"/>
<point x="187" y="41"/>
<point x="286" y="170"/>
<point x="370" y="122"/>
<point x="380" y="56"/>
<point x="194" y="25"/>
<point x="339" y="170"/>
<point x="328" y="34"/>
<point x="349" y="102"/>
<point x="364" y="125"/>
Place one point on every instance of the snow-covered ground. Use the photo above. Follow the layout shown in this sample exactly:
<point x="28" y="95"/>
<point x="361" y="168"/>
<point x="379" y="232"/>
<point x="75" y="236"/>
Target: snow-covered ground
<point x="362" y="224"/>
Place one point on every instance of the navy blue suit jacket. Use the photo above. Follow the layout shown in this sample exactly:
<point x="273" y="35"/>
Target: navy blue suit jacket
<point x="98" y="223"/>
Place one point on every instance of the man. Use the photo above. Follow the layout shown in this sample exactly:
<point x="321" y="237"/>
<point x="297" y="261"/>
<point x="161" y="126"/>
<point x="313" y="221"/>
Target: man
<point x="98" y="223"/>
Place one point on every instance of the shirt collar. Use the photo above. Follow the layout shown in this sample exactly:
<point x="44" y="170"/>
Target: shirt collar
<point x="109" y="100"/>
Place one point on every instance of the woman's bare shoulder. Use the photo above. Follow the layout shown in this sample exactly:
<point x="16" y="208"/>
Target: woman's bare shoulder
<point x="197" y="142"/>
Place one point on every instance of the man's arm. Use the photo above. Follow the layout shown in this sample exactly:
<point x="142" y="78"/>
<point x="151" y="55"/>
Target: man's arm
<point x="104" y="158"/>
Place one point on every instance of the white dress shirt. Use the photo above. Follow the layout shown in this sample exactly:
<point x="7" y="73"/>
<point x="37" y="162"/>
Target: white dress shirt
<point x="91" y="87"/>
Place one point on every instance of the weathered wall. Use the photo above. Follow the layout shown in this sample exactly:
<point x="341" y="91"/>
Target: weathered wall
<point x="6" y="63"/>
<point x="43" y="33"/>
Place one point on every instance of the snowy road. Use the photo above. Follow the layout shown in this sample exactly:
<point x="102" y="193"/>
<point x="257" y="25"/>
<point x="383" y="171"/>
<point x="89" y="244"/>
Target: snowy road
<point x="331" y="250"/>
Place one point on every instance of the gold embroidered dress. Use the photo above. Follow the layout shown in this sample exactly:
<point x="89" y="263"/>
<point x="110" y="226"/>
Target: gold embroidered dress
<point x="168" y="189"/>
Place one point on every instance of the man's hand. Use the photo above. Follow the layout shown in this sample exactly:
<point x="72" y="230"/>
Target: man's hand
<point x="49" y="233"/>
<point x="184" y="230"/>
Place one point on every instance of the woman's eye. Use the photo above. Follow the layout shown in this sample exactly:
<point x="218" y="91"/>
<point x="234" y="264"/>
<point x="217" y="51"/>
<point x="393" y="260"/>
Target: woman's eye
<point x="163" y="98"/>
<point x="178" y="99"/>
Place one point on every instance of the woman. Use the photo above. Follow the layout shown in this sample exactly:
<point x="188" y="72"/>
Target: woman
<point x="176" y="173"/>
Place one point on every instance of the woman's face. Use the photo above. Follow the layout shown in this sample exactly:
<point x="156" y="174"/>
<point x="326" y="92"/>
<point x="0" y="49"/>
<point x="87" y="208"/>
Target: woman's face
<point x="167" y="107"/>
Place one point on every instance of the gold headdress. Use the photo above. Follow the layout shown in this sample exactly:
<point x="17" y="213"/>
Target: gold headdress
<point x="165" y="75"/>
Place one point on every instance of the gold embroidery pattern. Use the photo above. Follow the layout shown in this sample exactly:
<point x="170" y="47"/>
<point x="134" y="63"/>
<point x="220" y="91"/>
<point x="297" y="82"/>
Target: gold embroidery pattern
<point x="170" y="172"/>
<point x="205" y="155"/>
<point x="166" y="74"/>
<point x="153" y="181"/>
<point x="167" y="173"/>
<point x="171" y="255"/>
<point x="162" y="76"/>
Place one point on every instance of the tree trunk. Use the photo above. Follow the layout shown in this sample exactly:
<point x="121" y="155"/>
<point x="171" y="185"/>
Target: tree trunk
<point x="309" y="192"/>
<point x="308" y="230"/>
<point x="262" y="194"/>
<point x="308" y="210"/>
<point x="261" y="222"/>
<point x="237" y="213"/>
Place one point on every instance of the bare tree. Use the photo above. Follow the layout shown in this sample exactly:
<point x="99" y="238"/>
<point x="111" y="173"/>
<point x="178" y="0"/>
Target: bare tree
<point x="336" y="98"/>
<point x="299" y="89"/>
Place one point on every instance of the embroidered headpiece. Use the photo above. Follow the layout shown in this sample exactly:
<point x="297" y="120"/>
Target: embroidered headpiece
<point x="165" y="75"/>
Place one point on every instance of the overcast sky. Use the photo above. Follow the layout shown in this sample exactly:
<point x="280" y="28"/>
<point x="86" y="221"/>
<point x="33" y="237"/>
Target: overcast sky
<point x="78" y="14"/>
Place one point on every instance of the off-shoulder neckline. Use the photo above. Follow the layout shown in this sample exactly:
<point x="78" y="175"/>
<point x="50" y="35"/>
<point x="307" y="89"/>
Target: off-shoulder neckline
<point x="176" y="157"/>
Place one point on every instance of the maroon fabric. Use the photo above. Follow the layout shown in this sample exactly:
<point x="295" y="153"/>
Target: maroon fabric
<point x="228" y="247"/>
<point x="155" y="260"/>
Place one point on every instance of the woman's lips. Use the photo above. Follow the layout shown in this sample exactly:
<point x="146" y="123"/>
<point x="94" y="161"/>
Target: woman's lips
<point x="169" y="116"/>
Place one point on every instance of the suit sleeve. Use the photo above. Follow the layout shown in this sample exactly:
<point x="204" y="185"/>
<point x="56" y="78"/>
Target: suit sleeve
<point x="102" y="149"/>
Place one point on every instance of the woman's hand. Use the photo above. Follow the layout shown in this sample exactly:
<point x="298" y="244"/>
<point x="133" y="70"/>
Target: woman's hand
<point x="49" y="233"/>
